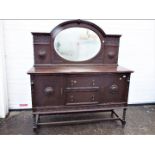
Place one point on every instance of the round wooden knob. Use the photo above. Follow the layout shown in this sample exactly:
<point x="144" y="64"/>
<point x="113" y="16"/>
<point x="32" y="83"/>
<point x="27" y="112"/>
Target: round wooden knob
<point x="42" y="53"/>
<point x="114" y="88"/>
<point x="111" y="54"/>
<point x="48" y="90"/>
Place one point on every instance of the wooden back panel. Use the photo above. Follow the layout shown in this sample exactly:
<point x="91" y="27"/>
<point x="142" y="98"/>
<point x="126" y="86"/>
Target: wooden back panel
<point x="45" y="54"/>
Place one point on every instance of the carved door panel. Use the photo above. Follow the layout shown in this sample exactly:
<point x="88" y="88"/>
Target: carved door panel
<point x="115" y="88"/>
<point x="47" y="90"/>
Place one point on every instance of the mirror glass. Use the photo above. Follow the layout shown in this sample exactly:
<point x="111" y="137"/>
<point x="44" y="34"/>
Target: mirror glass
<point x="77" y="44"/>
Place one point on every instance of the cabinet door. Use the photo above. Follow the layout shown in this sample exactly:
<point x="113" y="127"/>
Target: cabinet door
<point x="47" y="90"/>
<point x="115" y="88"/>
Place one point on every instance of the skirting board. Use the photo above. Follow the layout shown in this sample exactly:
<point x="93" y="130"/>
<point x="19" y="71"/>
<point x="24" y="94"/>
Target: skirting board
<point x="135" y="104"/>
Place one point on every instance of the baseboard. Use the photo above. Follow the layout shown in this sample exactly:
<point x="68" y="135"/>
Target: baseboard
<point x="137" y="104"/>
<point x="141" y="104"/>
<point x="29" y="109"/>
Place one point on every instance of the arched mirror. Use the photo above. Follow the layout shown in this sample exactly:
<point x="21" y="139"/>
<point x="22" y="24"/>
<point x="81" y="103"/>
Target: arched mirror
<point x="77" y="44"/>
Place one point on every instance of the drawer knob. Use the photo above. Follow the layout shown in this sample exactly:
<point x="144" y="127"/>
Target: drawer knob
<point x="48" y="90"/>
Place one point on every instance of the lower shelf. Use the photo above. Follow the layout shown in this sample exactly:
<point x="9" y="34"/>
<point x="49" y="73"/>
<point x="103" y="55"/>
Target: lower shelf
<point x="113" y="117"/>
<point x="77" y="109"/>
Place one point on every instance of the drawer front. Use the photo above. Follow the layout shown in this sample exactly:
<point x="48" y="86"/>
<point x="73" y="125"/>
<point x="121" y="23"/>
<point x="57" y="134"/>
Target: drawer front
<point x="82" y="98"/>
<point x="83" y="81"/>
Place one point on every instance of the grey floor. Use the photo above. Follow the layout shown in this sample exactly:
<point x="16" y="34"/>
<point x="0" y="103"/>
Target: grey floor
<point x="140" y="121"/>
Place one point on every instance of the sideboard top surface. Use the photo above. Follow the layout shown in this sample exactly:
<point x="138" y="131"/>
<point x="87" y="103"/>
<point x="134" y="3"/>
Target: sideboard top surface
<point x="78" y="69"/>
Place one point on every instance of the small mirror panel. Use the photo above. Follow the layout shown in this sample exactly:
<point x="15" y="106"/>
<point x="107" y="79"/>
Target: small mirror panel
<point x="77" y="44"/>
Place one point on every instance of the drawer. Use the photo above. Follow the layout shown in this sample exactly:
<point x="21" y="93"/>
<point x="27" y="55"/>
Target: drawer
<point x="83" y="81"/>
<point x="82" y="98"/>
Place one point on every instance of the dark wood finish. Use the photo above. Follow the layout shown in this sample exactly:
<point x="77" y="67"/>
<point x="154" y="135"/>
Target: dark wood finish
<point x="61" y="87"/>
<point x="114" y="117"/>
<point x="78" y="69"/>
<point x="108" y="53"/>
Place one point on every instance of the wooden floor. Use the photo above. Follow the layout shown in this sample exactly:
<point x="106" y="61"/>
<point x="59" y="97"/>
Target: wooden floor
<point x="140" y="120"/>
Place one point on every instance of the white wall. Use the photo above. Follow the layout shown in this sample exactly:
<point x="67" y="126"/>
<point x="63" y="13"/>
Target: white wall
<point x="137" y="52"/>
<point x="3" y="76"/>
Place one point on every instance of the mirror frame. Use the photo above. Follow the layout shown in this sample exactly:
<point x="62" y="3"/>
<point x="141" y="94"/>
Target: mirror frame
<point x="85" y="54"/>
<point x="78" y="24"/>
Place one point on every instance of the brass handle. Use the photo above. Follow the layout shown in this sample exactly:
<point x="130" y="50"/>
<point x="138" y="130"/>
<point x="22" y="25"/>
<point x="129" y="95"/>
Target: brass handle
<point x="48" y="90"/>
<point x="93" y="82"/>
<point x="93" y="98"/>
<point x="71" y="98"/>
<point x="73" y="82"/>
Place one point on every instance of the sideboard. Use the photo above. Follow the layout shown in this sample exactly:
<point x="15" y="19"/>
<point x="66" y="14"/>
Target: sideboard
<point x="76" y="71"/>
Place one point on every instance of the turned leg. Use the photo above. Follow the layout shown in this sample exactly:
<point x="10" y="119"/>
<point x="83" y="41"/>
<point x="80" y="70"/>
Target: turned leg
<point x="38" y="118"/>
<point x="34" y="123"/>
<point x="124" y="116"/>
<point x="112" y="113"/>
